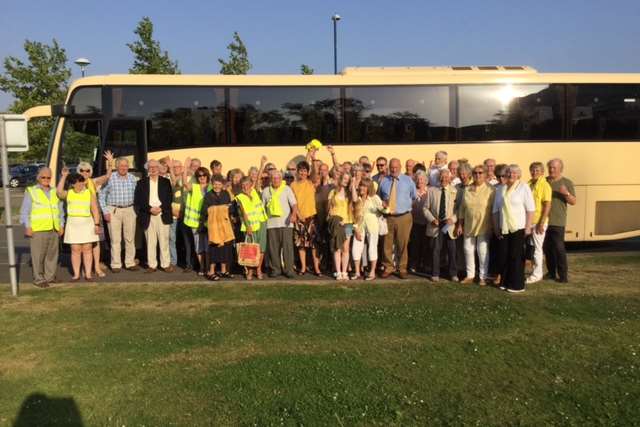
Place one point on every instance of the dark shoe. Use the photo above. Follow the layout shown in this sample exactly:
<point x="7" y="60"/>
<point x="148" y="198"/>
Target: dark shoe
<point x="213" y="277"/>
<point x="289" y="275"/>
<point x="41" y="284"/>
<point x="52" y="281"/>
<point x="562" y="281"/>
<point x="403" y="275"/>
<point x="273" y="274"/>
<point x="89" y="279"/>
<point x="549" y="276"/>
<point x="116" y="270"/>
<point x="385" y="274"/>
<point x="188" y="270"/>
<point x="134" y="268"/>
<point x="169" y="269"/>
<point x="150" y="270"/>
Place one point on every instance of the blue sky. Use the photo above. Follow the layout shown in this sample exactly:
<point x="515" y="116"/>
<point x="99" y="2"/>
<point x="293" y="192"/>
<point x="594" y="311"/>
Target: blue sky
<point x="552" y="36"/>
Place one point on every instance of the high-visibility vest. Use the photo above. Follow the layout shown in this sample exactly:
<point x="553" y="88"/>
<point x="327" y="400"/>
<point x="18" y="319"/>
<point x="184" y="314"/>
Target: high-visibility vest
<point x="274" y="206"/>
<point x="253" y="208"/>
<point x="193" y="206"/>
<point x="45" y="215"/>
<point x="79" y="204"/>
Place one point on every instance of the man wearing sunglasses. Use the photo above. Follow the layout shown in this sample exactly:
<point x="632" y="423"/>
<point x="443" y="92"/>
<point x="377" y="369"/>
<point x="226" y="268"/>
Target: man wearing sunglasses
<point x="42" y="215"/>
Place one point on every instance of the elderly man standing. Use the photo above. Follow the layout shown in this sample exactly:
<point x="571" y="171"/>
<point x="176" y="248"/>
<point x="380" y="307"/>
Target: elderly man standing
<point x="563" y="194"/>
<point x="397" y="192"/>
<point x="408" y="167"/>
<point x="541" y="191"/>
<point x="440" y="211"/>
<point x="116" y="202"/>
<point x="281" y="206"/>
<point x="42" y="215"/>
<point x="152" y="203"/>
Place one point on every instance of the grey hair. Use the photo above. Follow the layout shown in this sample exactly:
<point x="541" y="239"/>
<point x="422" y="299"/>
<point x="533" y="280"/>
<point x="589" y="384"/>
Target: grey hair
<point x="464" y="166"/>
<point x="146" y="165"/>
<point x="559" y="161"/>
<point x="514" y="167"/>
<point x="85" y="165"/>
<point x="121" y="159"/>
<point x="441" y="171"/>
<point x="442" y="153"/>
<point x="44" y="169"/>
<point x="420" y="173"/>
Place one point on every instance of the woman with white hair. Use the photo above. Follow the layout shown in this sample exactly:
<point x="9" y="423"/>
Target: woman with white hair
<point x="93" y="185"/>
<point x="513" y="210"/>
<point x="417" y="242"/>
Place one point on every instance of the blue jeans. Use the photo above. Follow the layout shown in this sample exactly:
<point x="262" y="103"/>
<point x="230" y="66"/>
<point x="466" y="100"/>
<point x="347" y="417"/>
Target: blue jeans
<point x="172" y="242"/>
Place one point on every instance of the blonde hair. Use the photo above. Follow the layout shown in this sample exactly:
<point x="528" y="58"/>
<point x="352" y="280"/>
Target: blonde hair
<point x="85" y="165"/>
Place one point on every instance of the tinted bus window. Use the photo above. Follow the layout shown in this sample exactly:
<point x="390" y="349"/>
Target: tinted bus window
<point x="511" y="112"/>
<point x="283" y="115"/>
<point x="605" y="111"/>
<point x="87" y="100"/>
<point x="176" y="117"/>
<point x="397" y="114"/>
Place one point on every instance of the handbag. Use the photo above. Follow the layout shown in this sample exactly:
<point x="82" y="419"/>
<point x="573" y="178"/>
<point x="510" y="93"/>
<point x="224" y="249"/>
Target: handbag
<point x="383" y="227"/>
<point x="248" y="252"/>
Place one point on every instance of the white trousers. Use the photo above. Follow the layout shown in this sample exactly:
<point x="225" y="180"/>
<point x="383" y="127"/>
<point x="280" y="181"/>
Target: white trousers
<point x="372" y="247"/>
<point x="479" y="244"/>
<point x="158" y="233"/>
<point x="538" y="240"/>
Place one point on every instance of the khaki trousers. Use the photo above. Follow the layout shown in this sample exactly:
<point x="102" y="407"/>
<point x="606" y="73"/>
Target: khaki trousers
<point x="44" y="255"/>
<point x="398" y="237"/>
<point x="158" y="233"/>
<point x="123" y="221"/>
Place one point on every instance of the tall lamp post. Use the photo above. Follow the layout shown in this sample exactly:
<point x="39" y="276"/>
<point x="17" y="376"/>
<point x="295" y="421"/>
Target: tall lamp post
<point x="335" y="18"/>
<point x="82" y="63"/>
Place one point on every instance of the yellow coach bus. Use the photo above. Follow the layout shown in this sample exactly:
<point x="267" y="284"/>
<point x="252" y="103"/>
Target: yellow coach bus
<point x="511" y="113"/>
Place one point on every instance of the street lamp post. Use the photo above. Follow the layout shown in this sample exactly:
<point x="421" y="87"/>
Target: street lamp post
<point x="335" y="18"/>
<point x="82" y="63"/>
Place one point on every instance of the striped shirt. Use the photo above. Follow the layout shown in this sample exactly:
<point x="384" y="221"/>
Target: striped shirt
<point x="118" y="192"/>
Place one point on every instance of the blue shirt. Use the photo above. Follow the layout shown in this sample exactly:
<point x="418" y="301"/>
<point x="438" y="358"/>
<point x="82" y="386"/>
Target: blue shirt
<point x="405" y="193"/>
<point x="118" y="192"/>
<point x="27" y="203"/>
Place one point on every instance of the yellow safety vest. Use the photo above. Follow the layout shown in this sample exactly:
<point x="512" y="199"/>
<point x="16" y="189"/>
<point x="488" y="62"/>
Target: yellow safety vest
<point x="193" y="206"/>
<point x="79" y="204"/>
<point x="274" y="206"/>
<point x="254" y="210"/>
<point x="45" y="215"/>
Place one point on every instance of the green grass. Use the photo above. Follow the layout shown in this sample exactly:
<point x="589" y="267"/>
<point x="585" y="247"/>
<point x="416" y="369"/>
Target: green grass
<point x="355" y="354"/>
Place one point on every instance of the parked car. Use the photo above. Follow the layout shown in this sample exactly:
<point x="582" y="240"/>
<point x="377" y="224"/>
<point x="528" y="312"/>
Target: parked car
<point x="23" y="175"/>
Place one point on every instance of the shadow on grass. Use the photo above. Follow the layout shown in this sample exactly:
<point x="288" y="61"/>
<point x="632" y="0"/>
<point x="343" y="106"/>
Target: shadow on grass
<point x="38" y="410"/>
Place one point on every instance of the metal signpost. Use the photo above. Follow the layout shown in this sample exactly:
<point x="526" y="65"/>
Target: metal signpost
<point x="13" y="137"/>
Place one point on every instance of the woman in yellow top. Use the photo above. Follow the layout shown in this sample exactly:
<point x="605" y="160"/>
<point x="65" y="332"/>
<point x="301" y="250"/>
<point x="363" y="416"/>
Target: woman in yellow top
<point x="341" y="216"/>
<point x="474" y="220"/>
<point x="304" y="230"/>
<point x="94" y="184"/>
<point x="83" y="222"/>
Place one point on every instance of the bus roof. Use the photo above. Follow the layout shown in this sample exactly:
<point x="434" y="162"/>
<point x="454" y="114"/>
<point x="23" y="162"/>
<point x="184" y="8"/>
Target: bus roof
<point x="365" y="76"/>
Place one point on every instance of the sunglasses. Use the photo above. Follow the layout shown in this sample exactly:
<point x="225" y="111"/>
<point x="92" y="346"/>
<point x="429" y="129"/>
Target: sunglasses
<point x="381" y="165"/>
<point x="44" y="177"/>
<point x="84" y="170"/>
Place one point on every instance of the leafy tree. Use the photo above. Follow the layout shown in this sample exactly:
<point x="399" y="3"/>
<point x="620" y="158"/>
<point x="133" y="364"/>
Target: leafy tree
<point x="305" y="69"/>
<point x="238" y="62"/>
<point x="43" y="79"/>
<point x="148" y="57"/>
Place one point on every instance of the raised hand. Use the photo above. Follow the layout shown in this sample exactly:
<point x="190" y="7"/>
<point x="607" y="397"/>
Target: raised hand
<point x="64" y="172"/>
<point x="331" y="149"/>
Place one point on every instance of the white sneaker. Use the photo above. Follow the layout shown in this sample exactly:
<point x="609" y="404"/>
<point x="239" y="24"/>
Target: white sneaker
<point x="531" y="280"/>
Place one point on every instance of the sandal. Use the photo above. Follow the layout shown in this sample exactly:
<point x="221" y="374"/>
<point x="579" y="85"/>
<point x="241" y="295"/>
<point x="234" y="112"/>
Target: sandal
<point x="370" y="277"/>
<point x="101" y="274"/>
<point x="213" y="277"/>
<point x="75" y="279"/>
<point x="259" y="276"/>
<point x="226" y="275"/>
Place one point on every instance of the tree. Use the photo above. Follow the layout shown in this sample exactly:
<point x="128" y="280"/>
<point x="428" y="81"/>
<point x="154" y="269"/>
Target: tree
<point x="238" y="62"/>
<point x="305" y="69"/>
<point x="148" y="57"/>
<point x="42" y="80"/>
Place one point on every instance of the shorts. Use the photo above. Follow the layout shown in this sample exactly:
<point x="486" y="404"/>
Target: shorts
<point x="348" y="230"/>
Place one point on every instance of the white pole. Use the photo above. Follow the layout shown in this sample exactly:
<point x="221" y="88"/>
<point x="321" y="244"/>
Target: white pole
<point x="7" y="209"/>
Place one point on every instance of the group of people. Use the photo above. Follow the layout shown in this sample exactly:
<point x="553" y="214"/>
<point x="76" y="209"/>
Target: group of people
<point x="468" y="223"/>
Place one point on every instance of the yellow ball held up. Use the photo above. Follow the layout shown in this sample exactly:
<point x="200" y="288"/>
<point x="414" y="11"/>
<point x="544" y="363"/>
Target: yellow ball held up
<point x="314" y="144"/>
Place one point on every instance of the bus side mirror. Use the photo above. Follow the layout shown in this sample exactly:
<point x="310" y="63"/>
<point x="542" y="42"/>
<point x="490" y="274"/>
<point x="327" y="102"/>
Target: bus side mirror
<point x="15" y="131"/>
<point x="62" y="110"/>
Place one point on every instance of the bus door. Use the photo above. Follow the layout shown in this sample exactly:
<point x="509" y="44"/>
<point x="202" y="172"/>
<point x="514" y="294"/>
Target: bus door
<point x="128" y="138"/>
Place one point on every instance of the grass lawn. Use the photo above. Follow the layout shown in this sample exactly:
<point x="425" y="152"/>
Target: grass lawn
<point x="331" y="354"/>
